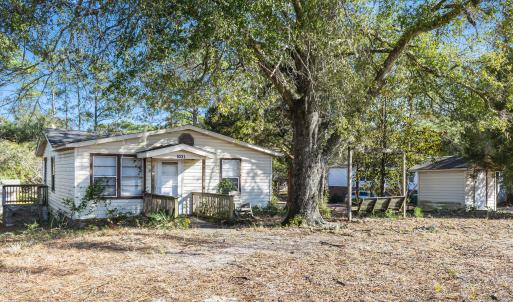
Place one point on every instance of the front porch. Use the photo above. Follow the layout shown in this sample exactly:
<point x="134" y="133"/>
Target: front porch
<point x="199" y="204"/>
<point x="176" y="181"/>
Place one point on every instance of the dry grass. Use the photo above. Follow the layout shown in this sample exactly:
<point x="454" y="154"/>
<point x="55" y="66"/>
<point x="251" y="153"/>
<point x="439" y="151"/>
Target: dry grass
<point x="371" y="260"/>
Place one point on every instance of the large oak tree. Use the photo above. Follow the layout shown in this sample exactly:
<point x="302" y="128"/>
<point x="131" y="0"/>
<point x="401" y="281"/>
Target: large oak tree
<point x="326" y="60"/>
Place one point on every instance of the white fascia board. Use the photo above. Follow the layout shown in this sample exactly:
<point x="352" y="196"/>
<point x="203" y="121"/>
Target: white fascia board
<point x="163" y="131"/>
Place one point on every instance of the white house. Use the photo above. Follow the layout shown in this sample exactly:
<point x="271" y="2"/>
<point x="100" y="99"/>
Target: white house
<point x="453" y="182"/>
<point x="173" y="162"/>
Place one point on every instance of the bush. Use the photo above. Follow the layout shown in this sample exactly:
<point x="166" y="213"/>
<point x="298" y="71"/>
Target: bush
<point x="323" y="207"/>
<point x="270" y="210"/>
<point x="418" y="212"/>
<point x="162" y="220"/>
<point x="225" y="186"/>
<point x="390" y="214"/>
<point x="296" y="221"/>
<point x="325" y="210"/>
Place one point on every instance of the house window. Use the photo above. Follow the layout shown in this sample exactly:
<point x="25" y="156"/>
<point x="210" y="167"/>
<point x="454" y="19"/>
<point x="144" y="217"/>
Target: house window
<point x="45" y="170"/>
<point x="118" y="175"/>
<point x="105" y="174"/>
<point x="230" y="170"/>
<point x="52" y="172"/>
<point x="131" y="176"/>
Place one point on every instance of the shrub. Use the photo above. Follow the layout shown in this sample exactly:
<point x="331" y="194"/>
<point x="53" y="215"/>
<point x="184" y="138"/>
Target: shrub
<point x="325" y="210"/>
<point x="182" y="222"/>
<point x="270" y="210"/>
<point x="92" y="197"/>
<point x="162" y="220"/>
<point x="296" y="221"/>
<point x="225" y="186"/>
<point x="390" y="214"/>
<point x="418" y="212"/>
<point x="323" y="207"/>
<point x="31" y="229"/>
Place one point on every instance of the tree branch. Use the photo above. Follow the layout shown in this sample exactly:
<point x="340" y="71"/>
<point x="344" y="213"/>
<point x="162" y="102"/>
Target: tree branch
<point x="288" y="93"/>
<point x="420" y="27"/>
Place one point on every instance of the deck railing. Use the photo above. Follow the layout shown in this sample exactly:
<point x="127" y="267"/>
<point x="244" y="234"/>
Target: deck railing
<point x="213" y="205"/>
<point x="158" y="203"/>
<point x="24" y="195"/>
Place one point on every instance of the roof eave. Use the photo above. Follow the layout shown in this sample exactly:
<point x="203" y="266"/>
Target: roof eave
<point x="163" y="131"/>
<point x="447" y="169"/>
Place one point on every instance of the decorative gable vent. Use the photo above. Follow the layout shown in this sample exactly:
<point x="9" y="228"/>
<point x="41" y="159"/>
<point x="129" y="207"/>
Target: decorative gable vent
<point x="186" y="138"/>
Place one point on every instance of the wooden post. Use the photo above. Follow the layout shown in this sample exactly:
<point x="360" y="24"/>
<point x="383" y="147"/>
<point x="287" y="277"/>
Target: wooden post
<point x="349" y="183"/>
<point x="153" y="177"/>
<point x="175" y="211"/>
<point x="405" y="185"/>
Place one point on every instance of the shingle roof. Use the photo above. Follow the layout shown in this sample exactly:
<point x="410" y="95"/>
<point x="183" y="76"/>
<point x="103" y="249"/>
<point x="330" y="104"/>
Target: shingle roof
<point x="63" y="139"/>
<point x="59" y="137"/>
<point x="444" y="163"/>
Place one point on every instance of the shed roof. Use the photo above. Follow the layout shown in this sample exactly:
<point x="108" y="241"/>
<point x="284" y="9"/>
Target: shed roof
<point x="444" y="163"/>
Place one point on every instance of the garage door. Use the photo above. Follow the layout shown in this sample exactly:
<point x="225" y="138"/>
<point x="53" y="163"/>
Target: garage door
<point x="442" y="186"/>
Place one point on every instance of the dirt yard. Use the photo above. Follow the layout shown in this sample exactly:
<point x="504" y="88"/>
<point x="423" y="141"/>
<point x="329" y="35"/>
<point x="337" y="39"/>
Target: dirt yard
<point x="370" y="260"/>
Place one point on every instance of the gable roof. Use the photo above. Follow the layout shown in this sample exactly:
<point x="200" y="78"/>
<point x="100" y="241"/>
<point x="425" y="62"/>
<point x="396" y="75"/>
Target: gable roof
<point x="444" y="163"/>
<point x="63" y="139"/>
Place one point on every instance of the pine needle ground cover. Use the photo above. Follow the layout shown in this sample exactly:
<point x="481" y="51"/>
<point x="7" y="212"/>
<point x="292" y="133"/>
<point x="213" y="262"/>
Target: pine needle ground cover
<point x="375" y="259"/>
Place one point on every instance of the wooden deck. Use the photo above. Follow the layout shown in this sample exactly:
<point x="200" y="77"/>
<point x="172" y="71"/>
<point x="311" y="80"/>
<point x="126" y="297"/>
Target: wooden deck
<point x="24" y="195"/>
<point x="24" y="203"/>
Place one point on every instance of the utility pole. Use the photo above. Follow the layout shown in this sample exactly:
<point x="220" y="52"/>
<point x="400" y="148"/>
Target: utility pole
<point x="405" y="188"/>
<point x="349" y="183"/>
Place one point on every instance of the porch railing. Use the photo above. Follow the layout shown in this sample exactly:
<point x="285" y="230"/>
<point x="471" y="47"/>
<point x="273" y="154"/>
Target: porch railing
<point x="213" y="205"/>
<point x="158" y="203"/>
<point x="24" y="195"/>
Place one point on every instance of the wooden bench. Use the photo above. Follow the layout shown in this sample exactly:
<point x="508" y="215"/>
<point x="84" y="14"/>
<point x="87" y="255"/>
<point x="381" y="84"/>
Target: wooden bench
<point x="366" y="206"/>
<point x="381" y="204"/>
<point x="396" y="203"/>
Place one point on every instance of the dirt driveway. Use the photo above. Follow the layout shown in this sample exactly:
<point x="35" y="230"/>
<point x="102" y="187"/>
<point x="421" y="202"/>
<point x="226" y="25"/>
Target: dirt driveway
<point x="370" y="260"/>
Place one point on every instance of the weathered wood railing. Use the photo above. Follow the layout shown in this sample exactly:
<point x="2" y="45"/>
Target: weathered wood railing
<point x="24" y="195"/>
<point x="213" y="205"/>
<point x="157" y="203"/>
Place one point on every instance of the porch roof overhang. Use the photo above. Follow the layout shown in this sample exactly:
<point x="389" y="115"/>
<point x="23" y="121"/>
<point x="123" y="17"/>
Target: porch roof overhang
<point x="180" y="151"/>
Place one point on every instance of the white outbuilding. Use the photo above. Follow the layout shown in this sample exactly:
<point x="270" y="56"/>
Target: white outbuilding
<point x="453" y="182"/>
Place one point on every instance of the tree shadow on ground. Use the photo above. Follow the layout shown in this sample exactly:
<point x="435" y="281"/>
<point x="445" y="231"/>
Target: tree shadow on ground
<point x="105" y="246"/>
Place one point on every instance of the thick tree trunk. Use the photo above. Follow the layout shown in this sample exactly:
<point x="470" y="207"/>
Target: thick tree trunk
<point x="308" y="166"/>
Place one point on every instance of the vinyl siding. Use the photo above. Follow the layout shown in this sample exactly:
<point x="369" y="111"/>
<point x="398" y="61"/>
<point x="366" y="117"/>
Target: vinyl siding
<point x="256" y="168"/>
<point x="64" y="178"/>
<point x="444" y="187"/>
<point x="477" y="193"/>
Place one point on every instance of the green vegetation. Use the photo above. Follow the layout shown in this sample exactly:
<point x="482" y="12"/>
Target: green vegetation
<point x="18" y="161"/>
<point x="308" y="78"/>
<point x="225" y="186"/>
<point x="418" y="212"/>
<point x="163" y="220"/>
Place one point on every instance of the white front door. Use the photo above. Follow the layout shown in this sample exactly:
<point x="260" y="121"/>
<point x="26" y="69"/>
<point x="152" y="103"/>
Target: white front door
<point x="168" y="179"/>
